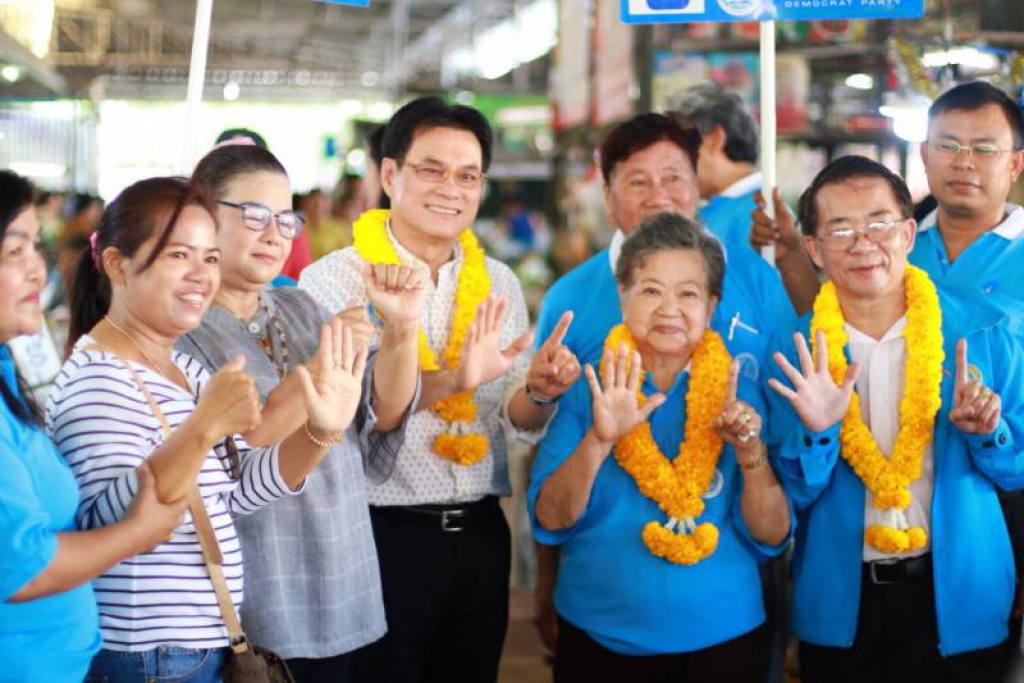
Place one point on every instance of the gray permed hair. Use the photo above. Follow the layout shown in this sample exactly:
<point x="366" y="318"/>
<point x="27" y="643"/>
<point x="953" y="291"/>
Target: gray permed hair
<point x="708" y="105"/>
<point x="671" y="231"/>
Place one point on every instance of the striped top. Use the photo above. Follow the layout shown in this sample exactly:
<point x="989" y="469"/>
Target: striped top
<point x="103" y="425"/>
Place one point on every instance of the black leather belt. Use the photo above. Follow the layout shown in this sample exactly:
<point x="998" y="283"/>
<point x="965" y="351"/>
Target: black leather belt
<point x="883" y="572"/>
<point x="447" y="518"/>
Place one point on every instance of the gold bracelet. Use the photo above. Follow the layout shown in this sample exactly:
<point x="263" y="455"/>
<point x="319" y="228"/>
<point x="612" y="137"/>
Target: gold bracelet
<point x="321" y="443"/>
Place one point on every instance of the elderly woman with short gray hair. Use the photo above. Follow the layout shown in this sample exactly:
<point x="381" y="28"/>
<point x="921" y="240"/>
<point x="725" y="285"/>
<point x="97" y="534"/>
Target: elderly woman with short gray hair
<point x="660" y="542"/>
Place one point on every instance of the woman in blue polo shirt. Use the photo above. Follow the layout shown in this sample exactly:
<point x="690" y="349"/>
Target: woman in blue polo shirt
<point x="48" y="622"/>
<point x="660" y="542"/>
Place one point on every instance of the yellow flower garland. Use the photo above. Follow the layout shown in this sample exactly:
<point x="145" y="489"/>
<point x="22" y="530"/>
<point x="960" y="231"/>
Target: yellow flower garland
<point x="370" y="238"/>
<point x="678" y="486"/>
<point x="888" y="478"/>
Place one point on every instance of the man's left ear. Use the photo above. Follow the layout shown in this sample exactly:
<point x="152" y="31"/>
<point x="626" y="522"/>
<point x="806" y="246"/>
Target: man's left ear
<point x="910" y="233"/>
<point x="1017" y="165"/>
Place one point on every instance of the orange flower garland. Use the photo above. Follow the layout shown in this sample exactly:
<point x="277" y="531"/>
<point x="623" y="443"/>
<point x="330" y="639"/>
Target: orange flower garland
<point x="678" y="486"/>
<point x="370" y="238"/>
<point x="888" y="478"/>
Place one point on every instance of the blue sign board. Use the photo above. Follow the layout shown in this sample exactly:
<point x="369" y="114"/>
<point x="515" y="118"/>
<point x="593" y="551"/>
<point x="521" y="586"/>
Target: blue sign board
<point x="714" y="11"/>
<point x="354" y="3"/>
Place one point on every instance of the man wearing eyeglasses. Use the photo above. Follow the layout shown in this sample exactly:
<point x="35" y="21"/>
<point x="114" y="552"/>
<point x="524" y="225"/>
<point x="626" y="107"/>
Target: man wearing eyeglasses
<point x="442" y="540"/>
<point x="903" y="569"/>
<point x="974" y="238"/>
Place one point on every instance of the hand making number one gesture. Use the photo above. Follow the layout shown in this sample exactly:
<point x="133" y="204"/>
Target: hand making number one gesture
<point x="976" y="408"/>
<point x="616" y="408"/>
<point x="817" y="399"/>
<point x="554" y="368"/>
<point x="739" y="424"/>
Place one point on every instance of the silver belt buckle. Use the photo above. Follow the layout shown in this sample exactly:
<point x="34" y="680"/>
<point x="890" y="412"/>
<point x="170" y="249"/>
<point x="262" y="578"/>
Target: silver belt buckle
<point x="450" y="520"/>
<point x="874" y="573"/>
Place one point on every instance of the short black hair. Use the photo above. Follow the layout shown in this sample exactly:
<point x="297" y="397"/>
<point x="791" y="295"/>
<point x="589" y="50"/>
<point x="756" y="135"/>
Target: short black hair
<point x="374" y="141"/>
<point x="844" y="169"/>
<point x="671" y="231"/>
<point x="232" y="133"/>
<point x="639" y="133"/>
<point x="977" y="95"/>
<point x="708" y="105"/>
<point x="427" y="113"/>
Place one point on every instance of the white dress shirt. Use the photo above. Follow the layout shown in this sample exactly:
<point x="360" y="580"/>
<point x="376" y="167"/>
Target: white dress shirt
<point x="880" y="387"/>
<point x="421" y="476"/>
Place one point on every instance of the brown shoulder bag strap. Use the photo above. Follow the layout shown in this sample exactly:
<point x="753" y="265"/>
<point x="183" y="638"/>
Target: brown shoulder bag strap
<point x="201" y="521"/>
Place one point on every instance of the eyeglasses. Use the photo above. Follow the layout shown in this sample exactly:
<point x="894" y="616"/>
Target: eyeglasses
<point x="981" y="152"/>
<point x="842" y="239"/>
<point x="436" y="174"/>
<point x="257" y="217"/>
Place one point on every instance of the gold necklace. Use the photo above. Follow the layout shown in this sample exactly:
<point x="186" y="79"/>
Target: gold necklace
<point x="130" y="338"/>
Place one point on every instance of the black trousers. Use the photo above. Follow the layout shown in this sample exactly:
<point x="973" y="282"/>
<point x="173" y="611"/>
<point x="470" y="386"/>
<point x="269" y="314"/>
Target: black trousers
<point x="445" y="595"/>
<point x="337" y="669"/>
<point x="581" y="659"/>
<point x="897" y="641"/>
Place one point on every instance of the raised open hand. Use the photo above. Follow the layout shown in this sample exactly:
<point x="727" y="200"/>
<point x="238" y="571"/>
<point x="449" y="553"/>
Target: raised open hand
<point x="483" y="359"/>
<point x="331" y="392"/>
<point x="616" y="408"/>
<point x="554" y="367"/>
<point x="780" y="231"/>
<point x="396" y="292"/>
<point x="976" y="408"/>
<point x="817" y="399"/>
<point x="739" y="424"/>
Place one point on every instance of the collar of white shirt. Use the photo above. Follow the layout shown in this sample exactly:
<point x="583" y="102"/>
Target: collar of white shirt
<point x="743" y="186"/>
<point x="855" y="336"/>
<point x="1011" y="228"/>
<point x="409" y="259"/>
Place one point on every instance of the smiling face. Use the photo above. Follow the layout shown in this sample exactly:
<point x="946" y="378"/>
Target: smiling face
<point x="657" y="179"/>
<point x="865" y="270"/>
<point x="22" y="276"/>
<point x="434" y="211"/>
<point x="667" y="306"/>
<point x="173" y="293"/>
<point x="251" y="259"/>
<point x="966" y="185"/>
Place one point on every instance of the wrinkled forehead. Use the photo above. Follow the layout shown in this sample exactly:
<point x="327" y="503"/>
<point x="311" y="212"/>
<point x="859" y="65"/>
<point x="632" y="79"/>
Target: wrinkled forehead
<point x="854" y="200"/>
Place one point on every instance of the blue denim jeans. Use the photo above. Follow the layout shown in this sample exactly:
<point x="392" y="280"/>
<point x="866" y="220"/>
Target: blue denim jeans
<point x="164" y="665"/>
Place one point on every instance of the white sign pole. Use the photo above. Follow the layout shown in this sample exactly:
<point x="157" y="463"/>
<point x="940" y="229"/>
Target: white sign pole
<point x="768" y="127"/>
<point x="196" y="79"/>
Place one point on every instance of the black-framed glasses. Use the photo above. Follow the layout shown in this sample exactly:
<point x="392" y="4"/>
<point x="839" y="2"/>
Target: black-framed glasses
<point x="435" y="174"/>
<point x="841" y="239"/>
<point x="980" y="152"/>
<point x="257" y="217"/>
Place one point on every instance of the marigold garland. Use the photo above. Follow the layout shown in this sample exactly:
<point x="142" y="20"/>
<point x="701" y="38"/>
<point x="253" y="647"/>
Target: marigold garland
<point x="888" y="479"/>
<point x="370" y="238"/>
<point x="678" y="486"/>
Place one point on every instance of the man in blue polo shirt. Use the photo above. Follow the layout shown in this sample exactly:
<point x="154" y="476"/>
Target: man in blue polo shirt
<point x="648" y="164"/>
<point x="974" y="239"/>
<point x="727" y="174"/>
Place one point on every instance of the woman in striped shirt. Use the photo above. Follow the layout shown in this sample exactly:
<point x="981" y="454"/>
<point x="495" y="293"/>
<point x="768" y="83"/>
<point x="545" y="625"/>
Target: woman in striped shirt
<point x="48" y="625"/>
<point x="151" y="274"/>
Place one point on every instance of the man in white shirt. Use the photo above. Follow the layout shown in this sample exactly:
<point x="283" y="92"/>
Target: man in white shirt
<point x="442" y="540"/>
<point x="903" y="569"/>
